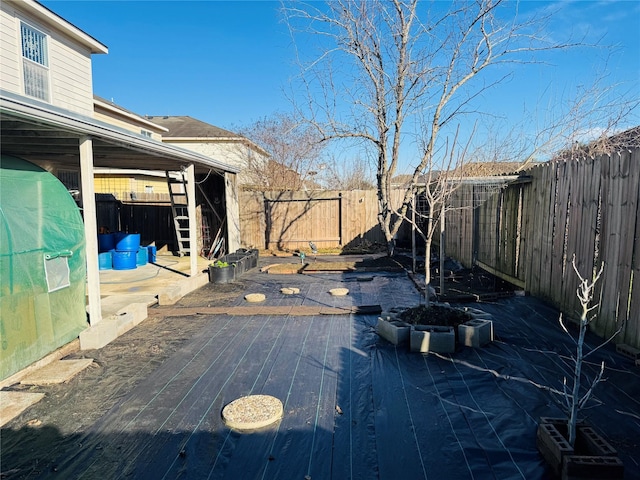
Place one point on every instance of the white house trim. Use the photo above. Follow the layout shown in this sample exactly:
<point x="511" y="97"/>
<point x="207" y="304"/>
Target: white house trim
<point x="123" y="113"/>
<point x="40" y="112"/>
<point x="58" y="23"/>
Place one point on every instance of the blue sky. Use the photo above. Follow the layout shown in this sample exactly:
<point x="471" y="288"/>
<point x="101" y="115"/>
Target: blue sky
<point x="230" y="63"/>
<point x="222" y="62"/>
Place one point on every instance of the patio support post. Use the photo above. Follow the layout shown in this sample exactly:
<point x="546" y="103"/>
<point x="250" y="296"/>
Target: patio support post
<point x="232" y="210"/>
<point x="90" y="228"/>
<point x="194" y="248"/>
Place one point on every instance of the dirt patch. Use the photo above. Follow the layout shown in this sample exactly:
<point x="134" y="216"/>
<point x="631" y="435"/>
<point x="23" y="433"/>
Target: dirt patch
<point x="50" y="429"/>
<point x="284" y="268"/>
<point x="434" y="315"/>
<point x="378" y="264"/>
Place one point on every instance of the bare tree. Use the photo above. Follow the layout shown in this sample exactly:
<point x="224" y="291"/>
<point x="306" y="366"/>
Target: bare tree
<point x="435" y="188"/>
<point x="576" y="399"/>
<point x="585" y="122"/>
<point x="350" y="175"/>
<point x="398" y="75"/>
<point x="294" y="151"/>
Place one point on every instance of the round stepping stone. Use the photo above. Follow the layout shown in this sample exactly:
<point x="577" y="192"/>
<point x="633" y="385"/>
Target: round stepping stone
<point x="252" y="412"/>
<point x="339" y="292"/>
<point x="254" y="297"/>
<point x="289" y="290"/>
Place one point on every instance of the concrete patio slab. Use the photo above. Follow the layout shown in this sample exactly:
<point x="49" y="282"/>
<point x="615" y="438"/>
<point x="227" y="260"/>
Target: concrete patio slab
<point x="57" y="372"/>
<point x="13" y="404"/>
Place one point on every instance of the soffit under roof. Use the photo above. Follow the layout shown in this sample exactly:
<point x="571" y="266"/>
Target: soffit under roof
<point x="42" y="133"/>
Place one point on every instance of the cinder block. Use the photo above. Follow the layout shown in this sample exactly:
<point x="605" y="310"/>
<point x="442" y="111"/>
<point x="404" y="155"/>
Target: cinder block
<point x="475" y="333"/>
<point x="594" y="443"/>
<point x="427" y="338"/>
<point x="170" y="295"/>
<point x="593" y="467"/>
<point x="394" y="331"/>
<point x="628" y="351"/>
<point x="477" y="313"/>
<point x="190" y="284"/>
<point x="130" y="316"/>
<point x="97" y="336"/>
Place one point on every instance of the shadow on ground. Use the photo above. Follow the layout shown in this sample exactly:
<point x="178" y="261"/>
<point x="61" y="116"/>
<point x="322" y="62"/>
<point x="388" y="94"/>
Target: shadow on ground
<point x="355" y="406"/>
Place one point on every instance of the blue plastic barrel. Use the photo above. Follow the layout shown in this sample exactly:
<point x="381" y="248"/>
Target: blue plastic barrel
<point x="152" y="253"/>
<point x="104" y="261"/>
<point x="142" y="256"/>
<point x="106" y="242"/>
<point x="127" y="242"/>
<point x="124" y="260"/>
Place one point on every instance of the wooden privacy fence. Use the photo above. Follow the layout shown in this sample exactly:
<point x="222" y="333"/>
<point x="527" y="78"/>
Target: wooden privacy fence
<point x="529" y="233"/>
<point x="289" y="220"/>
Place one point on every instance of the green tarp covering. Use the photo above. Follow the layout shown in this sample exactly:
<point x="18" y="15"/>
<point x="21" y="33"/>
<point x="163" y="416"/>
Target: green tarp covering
<point x="42" y="265"/>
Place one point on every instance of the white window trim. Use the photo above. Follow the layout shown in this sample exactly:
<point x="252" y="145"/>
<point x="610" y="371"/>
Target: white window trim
<point x="25" y="62"/>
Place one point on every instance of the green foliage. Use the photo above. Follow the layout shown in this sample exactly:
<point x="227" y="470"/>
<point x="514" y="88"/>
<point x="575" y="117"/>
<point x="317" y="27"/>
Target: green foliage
<point x="220" y="264"/>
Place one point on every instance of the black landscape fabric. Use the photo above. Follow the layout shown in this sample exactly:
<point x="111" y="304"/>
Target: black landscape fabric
<point x="355" y="406"/>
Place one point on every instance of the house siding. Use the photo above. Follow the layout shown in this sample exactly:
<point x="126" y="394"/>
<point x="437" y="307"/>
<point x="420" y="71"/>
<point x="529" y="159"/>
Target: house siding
<point x="232" y="153"/>
<point x="121" y="186"/>
<point x="70" y="80"/>
<point x="127" y="124"/>
<point x="71" y="76"/>
<point x="9" y="50"/>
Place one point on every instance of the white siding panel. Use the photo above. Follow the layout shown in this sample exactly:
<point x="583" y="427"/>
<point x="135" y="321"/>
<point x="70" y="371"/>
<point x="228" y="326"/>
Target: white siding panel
<point x="115" y="121"/>
<point x="71" y="76"/>
<point x="70" y="80"/>
<point x="231" y="153"/>
<point x="9" y="50"/>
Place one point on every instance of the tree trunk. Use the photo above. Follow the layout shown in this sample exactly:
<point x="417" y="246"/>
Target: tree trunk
<point x="442" y="251"/>
<point x="577" y="379"/>
<point x="427" y="262"/>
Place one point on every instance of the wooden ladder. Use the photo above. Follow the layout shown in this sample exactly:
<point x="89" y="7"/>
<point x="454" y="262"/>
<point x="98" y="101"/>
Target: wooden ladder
<point x="180" y="211"/>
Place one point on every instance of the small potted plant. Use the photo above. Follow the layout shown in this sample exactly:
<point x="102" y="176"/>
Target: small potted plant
<point x="221" y="272"/>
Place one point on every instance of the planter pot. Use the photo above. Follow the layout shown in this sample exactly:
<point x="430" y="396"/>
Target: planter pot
<point x="106" y="242"/>
<point x="428" y="338"/>
<point x="249" y="257"/>
<point x="221" y="274"/>
<point x="254" y="254"/>
<point x="127" y="242"/>
<point x="394" y="331"/>
<point x="593" y="457"/>
<point x="239" y="260"/>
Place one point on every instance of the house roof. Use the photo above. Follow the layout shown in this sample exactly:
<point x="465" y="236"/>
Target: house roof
<point x="628" y="139"/>
<point x="469" y="170"/>
<point x="605" y="145"/>
<point x="183" y="126"/>
<point x="54" y="20"/>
